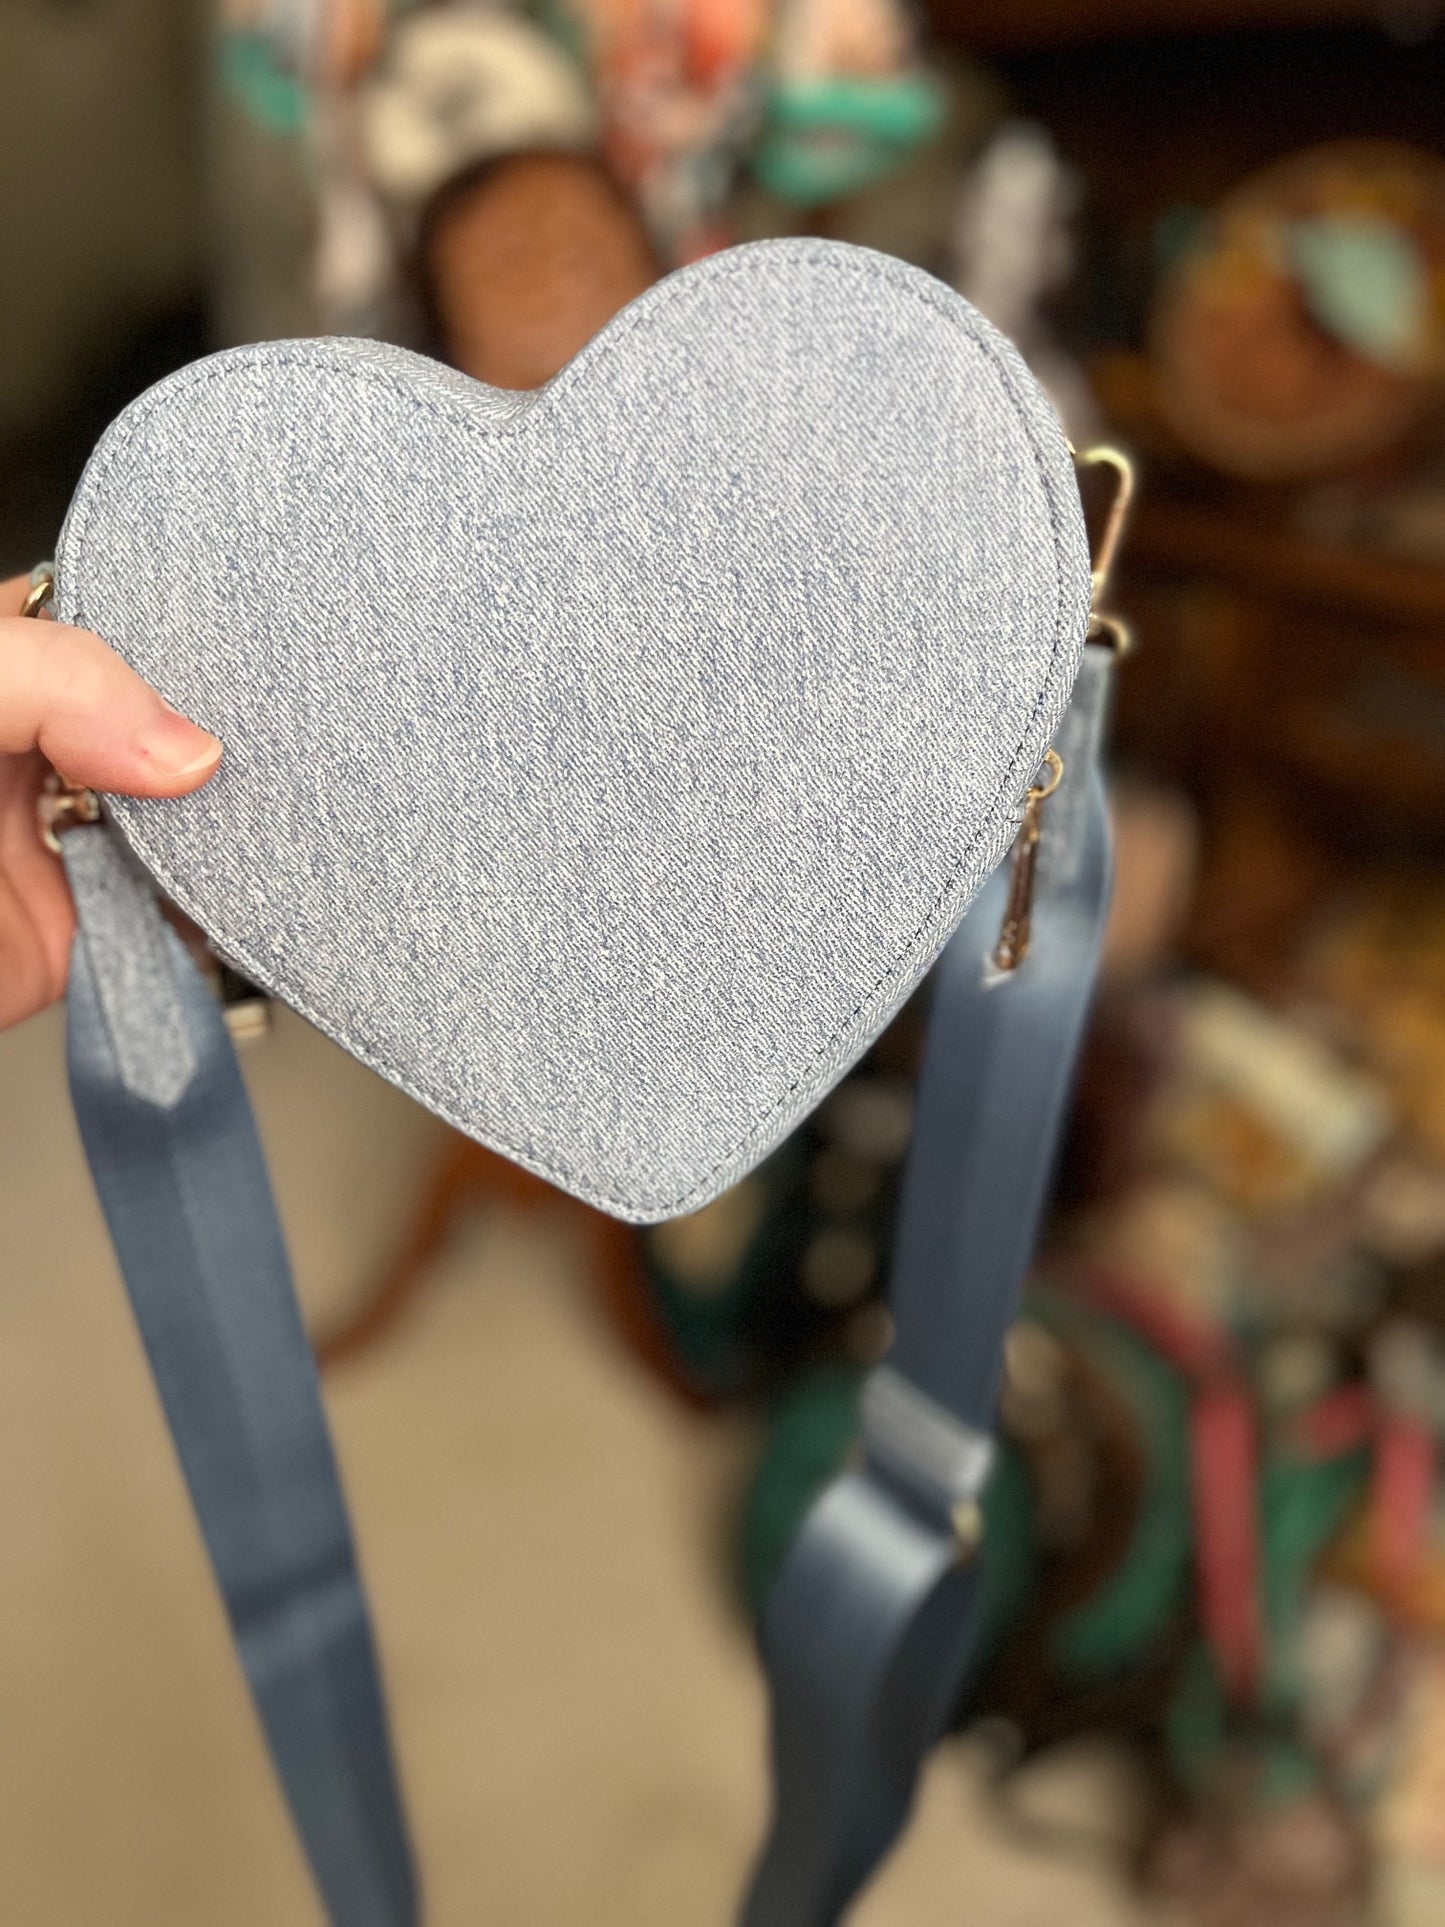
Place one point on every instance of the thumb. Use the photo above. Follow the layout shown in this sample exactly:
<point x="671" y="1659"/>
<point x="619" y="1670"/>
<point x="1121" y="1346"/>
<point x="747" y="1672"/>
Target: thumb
<point x="65" y="692"/>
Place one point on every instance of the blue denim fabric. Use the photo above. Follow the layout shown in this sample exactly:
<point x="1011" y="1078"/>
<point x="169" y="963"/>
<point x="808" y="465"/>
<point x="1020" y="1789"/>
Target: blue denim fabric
<point x="604" y="767"/>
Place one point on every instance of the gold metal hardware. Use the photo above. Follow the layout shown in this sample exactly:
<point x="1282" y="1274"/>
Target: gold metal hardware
<point x="1013" y="937"/>
<point x="1112" y="631"/>
<point x="1104" y="626"/>
<point x="249" y="1022"/>
<point x="1106" y="456"/>
<point x="967" y="1520"/>
<point x="39" y="594"/>
<point x="61" y="804"/>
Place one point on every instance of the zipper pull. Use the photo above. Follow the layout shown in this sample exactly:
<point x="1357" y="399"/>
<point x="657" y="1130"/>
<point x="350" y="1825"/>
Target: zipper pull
<point x="1013" y="936"/>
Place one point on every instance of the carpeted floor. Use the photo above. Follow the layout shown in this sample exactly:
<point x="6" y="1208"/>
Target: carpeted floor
<point x="577" y="1711"/>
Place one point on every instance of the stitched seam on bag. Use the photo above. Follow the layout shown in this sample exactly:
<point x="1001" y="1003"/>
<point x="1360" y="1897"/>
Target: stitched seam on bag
<point x="833" y="257"/>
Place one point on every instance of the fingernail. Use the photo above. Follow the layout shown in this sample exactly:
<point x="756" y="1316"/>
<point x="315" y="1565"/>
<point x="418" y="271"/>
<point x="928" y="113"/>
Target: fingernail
<point x="178" y="746"/>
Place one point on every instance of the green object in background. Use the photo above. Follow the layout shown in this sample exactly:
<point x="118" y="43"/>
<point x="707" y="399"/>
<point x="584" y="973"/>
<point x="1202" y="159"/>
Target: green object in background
<point x="1202" y="1731"/>
<point x="250" y="74"/>
<point x="812" y="1432"/>
<point x="1365" y="284"/>
<point x="703" y="1298"/>
<point x="1110" y="1631"/>
<point x="826" y="139"/>
<point x="1302" y="1504"/>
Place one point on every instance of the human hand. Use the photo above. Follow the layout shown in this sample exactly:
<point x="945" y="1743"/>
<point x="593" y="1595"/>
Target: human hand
<point x="68" y="701"/>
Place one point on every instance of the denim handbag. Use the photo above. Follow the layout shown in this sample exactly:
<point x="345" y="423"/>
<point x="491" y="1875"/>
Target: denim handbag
<point x="604" y="767"/>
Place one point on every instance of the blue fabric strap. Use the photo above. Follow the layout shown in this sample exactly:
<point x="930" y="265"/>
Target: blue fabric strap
<point x="867" y="1632"/>
<point x="866" y="1635"/>
<point x="173" y="1148"/>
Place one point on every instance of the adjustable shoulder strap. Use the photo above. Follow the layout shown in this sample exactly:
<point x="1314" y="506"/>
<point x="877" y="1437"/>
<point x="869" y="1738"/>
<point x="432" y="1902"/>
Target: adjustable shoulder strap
<point x="866" y="1633"/>
<point x="172" y="1144"/>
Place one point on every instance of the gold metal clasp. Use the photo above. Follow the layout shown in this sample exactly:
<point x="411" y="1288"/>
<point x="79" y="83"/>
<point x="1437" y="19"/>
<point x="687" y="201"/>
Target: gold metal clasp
<point x="40" y="593"/>
<point x="1104" y="625"/>
<point x="966" y="1519"/>
<point x="1013" y="937"/>
<point x="61" y="804"/>
<point x="1116" y="520"/>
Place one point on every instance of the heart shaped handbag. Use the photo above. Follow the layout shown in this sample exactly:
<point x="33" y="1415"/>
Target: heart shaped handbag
<point x="604" y="766"/>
